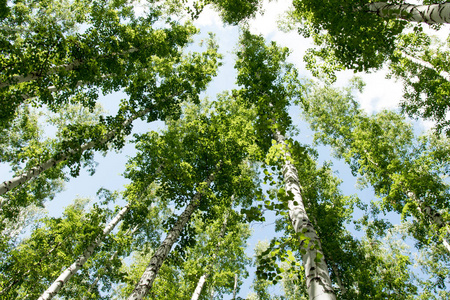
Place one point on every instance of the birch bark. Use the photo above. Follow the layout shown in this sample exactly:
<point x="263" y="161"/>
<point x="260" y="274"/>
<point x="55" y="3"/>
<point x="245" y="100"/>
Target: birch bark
<point x="145" y="283"/>
<point x="443" y="74"/>
<point x="70" y="271"/>
<point x="318" y="280"/>
<point x="35" y="171"/>
<point x="235" y="286"/>
<point x="35" y="75"/>
<point x="430" y="14"/>
<point x="200" y="284"/>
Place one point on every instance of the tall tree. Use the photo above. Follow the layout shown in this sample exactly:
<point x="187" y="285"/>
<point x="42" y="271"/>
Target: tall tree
<point x="421" y="63"/>
<point x="165" y="97"/>
<point x="270" y="84"/>
<point x="96" y="251"/>
<point x="184" y="269"/>
<point x="51" y="52"/>
<point x="80" y="261"/>
<point x="406" y="172"/>
<point x="26" y="268"/>
<point x="361" y="35"/>
<point x="198" y="161"/>
<point x="366" y="35"/>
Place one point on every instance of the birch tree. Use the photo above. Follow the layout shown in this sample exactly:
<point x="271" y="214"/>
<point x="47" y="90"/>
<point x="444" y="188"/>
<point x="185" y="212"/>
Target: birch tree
<point x="272" y="86"/>
<point x="37" y="258"/>
<point x="405" y="171"/>
<point x="94" y="249"/>
<point x="26" y="144"/>
<point x="224" y="243"/>
<point x="421" y="63"/>
<point x="184" y="269"/>
<point x="50" y="56"/>
<point x="360" y="35"/>
<point x="200" y="158"/>
<point x="177" y="86"/>
<point x="366" y="36"/>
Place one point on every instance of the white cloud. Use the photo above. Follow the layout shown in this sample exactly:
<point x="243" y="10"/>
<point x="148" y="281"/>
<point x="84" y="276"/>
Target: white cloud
<point x="379" y="93"/>
<point x="266" y="23"/>
<point x="209" y="18"/>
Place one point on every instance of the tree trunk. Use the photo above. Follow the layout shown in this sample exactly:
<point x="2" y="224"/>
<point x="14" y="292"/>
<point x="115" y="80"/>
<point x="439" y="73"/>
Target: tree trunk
<point x="318" y="280"/>
<point x="430" y="14"/>
<point x="70" y="271"/>
<point x="428" y="65"/>
<point x="145" y="283"/>
<point x="200" y="284"/>
<point x="35" y="171"/>
<point x="235" y="286"/>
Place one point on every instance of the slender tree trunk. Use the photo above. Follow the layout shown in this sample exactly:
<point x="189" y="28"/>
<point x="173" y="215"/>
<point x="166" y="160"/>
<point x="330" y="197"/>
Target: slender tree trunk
<point x="35" y="171"/>
<point x="200" y="284"/>
<point x="235" y="285"/>
<point x="204" y="277"/>
<point x="427" y="65"/>
<point x="145" y="283"/>
<point x="431" y="14"/>
<point x="338" y="278"/>
<point x="318" y="280"/>
<point x="73" y="269"/>
<point x="211" y="293"/>
<point x="35" y="75"/>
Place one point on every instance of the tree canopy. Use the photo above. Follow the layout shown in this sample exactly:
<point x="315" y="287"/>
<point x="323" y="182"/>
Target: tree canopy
<point x="221" y="148"/>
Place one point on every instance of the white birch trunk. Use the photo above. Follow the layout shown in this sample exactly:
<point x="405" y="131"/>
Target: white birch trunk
<point x="35" y="171"/>
<point x="235" y="286"/>
<point x="35" y="75"/>
<point x="430" y="14"/>
<point x="73" y="269"/>
<point x="145" y="283"/>
<point x="200" y="284"/>
<point x="436" y="219"/>
<point x="66" y="67"/>
<point x="318" y="282"/>
<point x="428" y="65"/>
<point x="2" y="202"/>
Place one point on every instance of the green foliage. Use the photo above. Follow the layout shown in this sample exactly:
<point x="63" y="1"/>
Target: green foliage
<point x="344" y="30"/>
<point x="54" y="244"/>
<point x="233" y="12"/>
<point x="421" y="62"/>
<point x="26" y="146"/>
<point x="268" y="83"/>
<point x="116" y="50"/>
<point x="408" y="173"/>
<point x="218" y="256"/>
